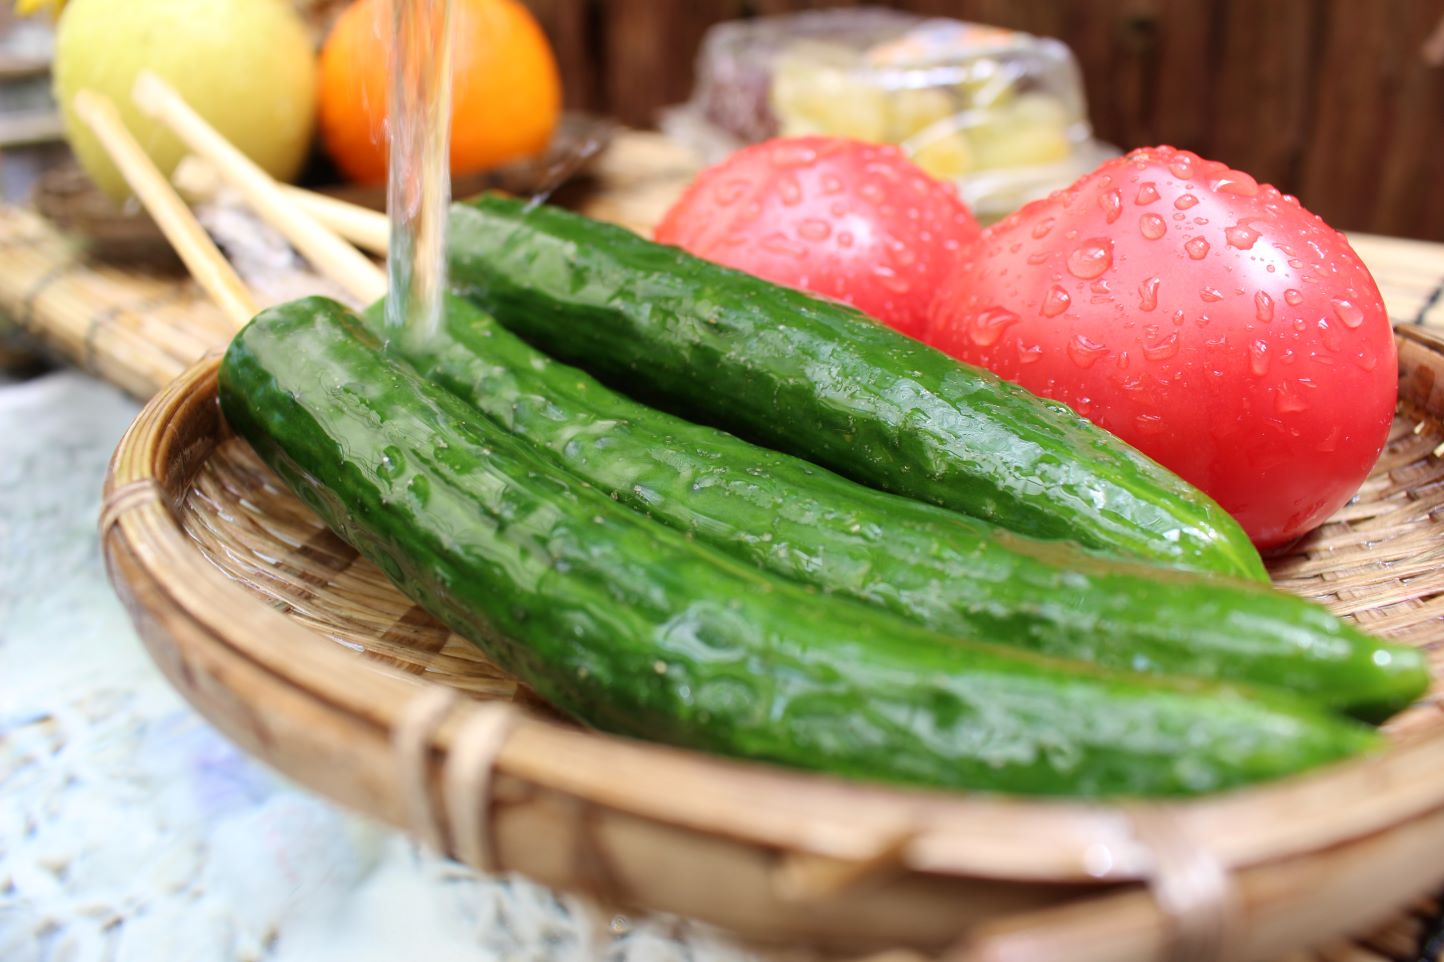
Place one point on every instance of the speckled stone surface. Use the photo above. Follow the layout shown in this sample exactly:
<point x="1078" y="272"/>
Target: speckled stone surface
<point x="130" y="831"/>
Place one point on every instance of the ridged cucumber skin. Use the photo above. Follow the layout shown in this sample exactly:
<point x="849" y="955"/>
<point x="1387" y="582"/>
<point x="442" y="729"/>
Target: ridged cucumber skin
<point x="948" y="572"/>
<point x="825" y="382"/>
<point x="635" y="628"/>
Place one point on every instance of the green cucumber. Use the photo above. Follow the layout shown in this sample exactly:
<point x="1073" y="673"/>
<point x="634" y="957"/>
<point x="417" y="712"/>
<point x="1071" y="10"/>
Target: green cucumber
<point x="825" y="382"/>
<point x="949" y="572"/>
<point x="635" y="628"/>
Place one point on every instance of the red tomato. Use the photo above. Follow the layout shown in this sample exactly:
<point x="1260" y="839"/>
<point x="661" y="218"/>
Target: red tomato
<point x="1211" y="322"/>
<point x="849" y="220"/>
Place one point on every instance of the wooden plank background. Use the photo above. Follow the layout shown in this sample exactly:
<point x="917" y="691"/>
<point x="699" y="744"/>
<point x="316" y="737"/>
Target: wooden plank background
<point x="1333" y="100"/>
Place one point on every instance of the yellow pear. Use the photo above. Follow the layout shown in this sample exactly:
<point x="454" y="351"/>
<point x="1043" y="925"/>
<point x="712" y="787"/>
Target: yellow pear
<point x="247" y="66"/>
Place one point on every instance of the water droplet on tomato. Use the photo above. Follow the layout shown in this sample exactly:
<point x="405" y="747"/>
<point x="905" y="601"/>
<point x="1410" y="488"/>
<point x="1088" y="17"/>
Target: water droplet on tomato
<point x="1043" y="226"/>
<point x="905" y="257"/>
<point x="1162" y="349"/>
<point x="1258" y="357"/>
<point x="779" y="243"/>
<point x="1287" y="402"/>
<point x="988" y="326"/>
<point x="1210" y="294"/>
<point x="1241" y="236"/>
<point x="1178" y="318"/>
<point x="1263" y="307"/>
<point x="1091" y="258"/>
<point x="889" y="279"/>
<point x="870" y="192"/>
<point x="1148" y="424"/>
<point x="1328" y="335"/>
<point x="1056" y="302"/>
<point x="789" y="190"/>
<point x="730" y="192"/>
<point x="1185" y="201"/>
<point x="1148" y="294"/>
<point x="1152" y="226"/>
<point x="1235" y="182"/>
<point x="844" y="238"/>
<point x="1366" y="360"/>
<point x="1197" y="248"/>
<point x="1083" y="405"/>
<point x="1112" y="204"/>
<point x="1037" y="257"/>
<point x="831" y="184"/>
<point x="814" y="230"/>
<point x="1085" y="352"/>
<point x="792" y="154"/>
<point x="1296" y="264"/>
<point x="1349" y="313"/>
<point x="1182" y="167"/>
<point x="1293" y="298"/>
<point x="1147" y="193"/>
<point x="751" y="211"/>
<point x="1029" y="353"/>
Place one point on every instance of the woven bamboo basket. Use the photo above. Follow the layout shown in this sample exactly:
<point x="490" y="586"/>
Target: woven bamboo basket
<point x="311" y="660"/>
<point x="307" y="657"/>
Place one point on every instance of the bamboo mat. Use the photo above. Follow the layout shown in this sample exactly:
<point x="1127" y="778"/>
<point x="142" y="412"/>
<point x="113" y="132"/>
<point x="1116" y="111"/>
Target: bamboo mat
<point x="138" y="329"/>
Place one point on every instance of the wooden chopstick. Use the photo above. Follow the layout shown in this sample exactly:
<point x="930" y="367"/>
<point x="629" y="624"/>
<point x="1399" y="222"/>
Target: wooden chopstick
<point x="366" y="228"/>
<point x="331" y="256"/>
<point x="201" y="256"/>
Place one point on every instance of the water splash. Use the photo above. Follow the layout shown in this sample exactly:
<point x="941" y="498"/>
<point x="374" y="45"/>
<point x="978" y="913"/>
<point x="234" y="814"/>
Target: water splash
<point x="418" y="189"/>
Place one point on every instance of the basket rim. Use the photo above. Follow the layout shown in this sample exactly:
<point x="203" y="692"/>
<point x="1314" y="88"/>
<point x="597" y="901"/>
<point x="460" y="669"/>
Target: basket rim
<point x="989" y="836"/>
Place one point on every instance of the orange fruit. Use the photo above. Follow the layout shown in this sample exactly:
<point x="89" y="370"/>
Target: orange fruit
<point x="505" y="89"/>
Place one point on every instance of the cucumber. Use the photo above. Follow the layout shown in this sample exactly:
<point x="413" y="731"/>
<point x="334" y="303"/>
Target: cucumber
<point x="634" y="628"/>
<point x="949" y="572"/>
<point x="827" y="383"/>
